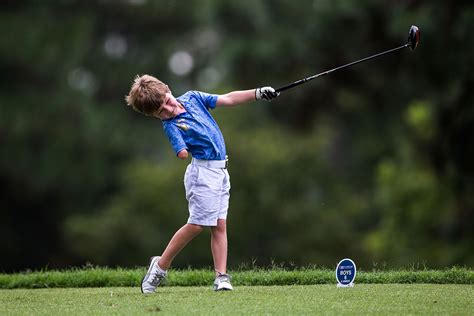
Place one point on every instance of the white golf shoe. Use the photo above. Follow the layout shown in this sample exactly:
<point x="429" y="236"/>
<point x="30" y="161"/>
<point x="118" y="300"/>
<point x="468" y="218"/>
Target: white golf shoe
<point x="154" y="277"/>
<point x="222" y="283"/>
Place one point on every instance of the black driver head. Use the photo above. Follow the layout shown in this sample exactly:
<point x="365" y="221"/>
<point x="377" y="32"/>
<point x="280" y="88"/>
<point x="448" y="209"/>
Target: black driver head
<point x="413" y="37"/>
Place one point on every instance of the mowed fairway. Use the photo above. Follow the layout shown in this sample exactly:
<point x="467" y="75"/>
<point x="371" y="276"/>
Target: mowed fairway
<point x="251" y="300"/>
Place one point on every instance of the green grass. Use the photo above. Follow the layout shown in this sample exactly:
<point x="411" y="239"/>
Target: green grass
<point x="245" y="300"/>
<point x="95" y="290"/>
<point x="105" y="277"/>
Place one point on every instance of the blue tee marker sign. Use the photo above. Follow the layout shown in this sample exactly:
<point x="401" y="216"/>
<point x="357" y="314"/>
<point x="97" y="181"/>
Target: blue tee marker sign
<point x="345" y="273"/>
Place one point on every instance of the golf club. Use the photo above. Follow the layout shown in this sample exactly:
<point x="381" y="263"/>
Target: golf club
<point x="412" y="43"/>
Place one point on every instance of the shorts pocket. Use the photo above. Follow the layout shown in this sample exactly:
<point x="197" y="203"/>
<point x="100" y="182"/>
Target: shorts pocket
<point x="211" y="179"/>
<point x="190" y="178"/>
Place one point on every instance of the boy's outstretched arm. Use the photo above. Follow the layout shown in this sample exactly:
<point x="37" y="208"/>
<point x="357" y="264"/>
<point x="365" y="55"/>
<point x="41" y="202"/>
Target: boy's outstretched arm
<point x="245" y="96"/>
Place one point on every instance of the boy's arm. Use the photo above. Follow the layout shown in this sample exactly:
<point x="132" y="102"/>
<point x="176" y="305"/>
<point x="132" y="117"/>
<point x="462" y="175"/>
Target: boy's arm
<point x="245" y="96"/>
<point x="176" y="140"/>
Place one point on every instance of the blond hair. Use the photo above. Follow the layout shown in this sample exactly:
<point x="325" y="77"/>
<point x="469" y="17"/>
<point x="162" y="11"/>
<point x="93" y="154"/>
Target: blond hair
<point x="146" y="94"/>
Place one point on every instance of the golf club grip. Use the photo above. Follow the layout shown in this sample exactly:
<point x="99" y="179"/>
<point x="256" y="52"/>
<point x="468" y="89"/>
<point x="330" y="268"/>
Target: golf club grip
<point x="291" y="85"/>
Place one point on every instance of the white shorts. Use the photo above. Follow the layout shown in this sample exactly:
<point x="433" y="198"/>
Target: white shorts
<point x="207" y="185"/>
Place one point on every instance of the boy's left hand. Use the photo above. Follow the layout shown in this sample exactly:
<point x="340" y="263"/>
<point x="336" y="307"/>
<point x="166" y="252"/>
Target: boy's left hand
<point x="266" y="93"/>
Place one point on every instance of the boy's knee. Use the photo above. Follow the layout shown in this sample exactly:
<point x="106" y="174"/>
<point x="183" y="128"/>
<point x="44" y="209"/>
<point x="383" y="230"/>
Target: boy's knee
<point x="195" y="228"/>
<point x="221" y="226"/>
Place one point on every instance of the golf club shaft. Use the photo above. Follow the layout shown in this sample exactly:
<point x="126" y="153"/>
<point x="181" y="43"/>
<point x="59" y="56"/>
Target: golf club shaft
<point x="301" y="81"/>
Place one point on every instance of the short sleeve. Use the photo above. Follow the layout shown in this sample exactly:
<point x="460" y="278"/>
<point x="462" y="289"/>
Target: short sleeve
<point x="208" y="100"/>
<point x="174" y="136"/>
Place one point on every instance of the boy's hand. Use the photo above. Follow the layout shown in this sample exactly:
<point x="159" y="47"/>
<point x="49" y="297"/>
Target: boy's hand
<point x="266" y="93"/>
<point x="183" y="154"/>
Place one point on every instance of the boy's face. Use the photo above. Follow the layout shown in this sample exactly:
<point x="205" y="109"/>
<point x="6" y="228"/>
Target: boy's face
<point x="168" y="109"/>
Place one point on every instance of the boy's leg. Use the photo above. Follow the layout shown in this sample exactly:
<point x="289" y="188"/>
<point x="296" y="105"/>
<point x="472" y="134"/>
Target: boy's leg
<point x="158" y="265"/>
<point x="180" y="239"/>
<point x="219" y="246"/>
<point x="219" y="253"/>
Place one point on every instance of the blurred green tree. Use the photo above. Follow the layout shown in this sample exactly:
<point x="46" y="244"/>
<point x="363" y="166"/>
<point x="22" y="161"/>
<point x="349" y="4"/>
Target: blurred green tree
<point x="374" y="162"/>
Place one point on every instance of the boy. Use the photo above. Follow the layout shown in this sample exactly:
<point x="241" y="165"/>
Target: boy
<point x="191" y="128"/>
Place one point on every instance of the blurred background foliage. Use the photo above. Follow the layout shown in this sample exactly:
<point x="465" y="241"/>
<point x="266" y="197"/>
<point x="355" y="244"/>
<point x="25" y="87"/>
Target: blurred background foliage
<point x="374" y="162"/>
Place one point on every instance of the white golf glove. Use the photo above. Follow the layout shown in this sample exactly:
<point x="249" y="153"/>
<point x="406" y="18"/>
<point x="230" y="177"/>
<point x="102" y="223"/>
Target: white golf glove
<point x="266" y="93"/>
